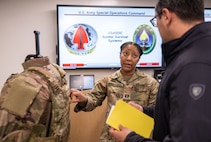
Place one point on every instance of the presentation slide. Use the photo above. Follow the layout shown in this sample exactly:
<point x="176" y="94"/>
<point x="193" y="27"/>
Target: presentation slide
<point x="90" y="36"/>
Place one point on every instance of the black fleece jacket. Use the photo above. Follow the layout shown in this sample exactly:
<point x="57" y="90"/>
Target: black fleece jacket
<point x="182" y="110"/>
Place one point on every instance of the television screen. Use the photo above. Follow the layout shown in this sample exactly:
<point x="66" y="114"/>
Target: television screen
<point x="81" y="82"/>
<point x="91" y="36"/>
<point x="76" y="82"/>
<point x="89" y="81"/>
<point x="207" y="14"/>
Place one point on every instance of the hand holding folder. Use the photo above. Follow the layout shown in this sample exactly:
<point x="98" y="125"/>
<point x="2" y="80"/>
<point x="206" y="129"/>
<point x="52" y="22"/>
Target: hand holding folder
<point x="128" y="116"/>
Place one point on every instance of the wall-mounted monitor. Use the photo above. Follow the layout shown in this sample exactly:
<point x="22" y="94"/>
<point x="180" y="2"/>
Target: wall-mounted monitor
<point x="81" y="82"/>
<point x="207" y="14"/>
<point x="91" y="36"/>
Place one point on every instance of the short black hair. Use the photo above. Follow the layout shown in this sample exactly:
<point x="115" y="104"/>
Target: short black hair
<point x="131" y="43"/>
<point x="187" y="10"/>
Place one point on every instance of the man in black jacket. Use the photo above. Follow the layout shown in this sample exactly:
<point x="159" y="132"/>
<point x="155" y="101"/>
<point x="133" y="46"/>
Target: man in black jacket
<point x="182" y="111"/>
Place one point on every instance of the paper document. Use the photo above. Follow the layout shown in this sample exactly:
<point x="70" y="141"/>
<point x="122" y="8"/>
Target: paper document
<point x="128" y="116"/>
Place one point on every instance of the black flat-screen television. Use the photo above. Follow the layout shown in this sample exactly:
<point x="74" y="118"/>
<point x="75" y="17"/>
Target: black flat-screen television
<point x="91" y="36"/>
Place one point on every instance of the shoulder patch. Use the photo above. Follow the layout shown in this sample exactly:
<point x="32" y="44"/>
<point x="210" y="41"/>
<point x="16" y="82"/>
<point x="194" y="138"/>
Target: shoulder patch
<point x="196" y="91"/>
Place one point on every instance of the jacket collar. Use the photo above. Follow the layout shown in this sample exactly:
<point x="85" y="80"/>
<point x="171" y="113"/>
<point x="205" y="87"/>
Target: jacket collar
<point x="171" y="48"/>
<point x="36" y="62"/>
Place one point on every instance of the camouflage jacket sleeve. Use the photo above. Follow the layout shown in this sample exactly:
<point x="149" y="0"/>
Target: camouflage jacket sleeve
<point x="153" y="91"/>
<point x="96" y="96"/>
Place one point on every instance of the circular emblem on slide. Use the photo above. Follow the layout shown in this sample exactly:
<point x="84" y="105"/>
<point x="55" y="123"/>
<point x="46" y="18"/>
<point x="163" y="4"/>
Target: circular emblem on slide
<point x="80" y="39"/>
<point x="145" y="36"/>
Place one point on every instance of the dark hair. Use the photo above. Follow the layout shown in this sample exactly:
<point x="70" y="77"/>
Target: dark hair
<point x="132" y="43"/>
<point x="187" y="10"/>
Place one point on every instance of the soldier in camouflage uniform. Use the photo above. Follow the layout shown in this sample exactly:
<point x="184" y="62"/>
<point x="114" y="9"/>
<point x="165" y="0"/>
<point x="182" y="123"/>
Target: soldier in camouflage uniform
<point x="34" y="104"/>
<point x="128" y="84"/>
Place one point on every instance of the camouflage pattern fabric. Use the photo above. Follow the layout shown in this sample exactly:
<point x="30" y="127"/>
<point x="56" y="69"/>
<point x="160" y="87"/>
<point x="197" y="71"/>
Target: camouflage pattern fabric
<point x="140" y="88"/>
<point x="34" y="104"/>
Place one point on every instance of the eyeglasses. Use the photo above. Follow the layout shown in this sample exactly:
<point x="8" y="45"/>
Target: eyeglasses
<point x="154" y="21"/>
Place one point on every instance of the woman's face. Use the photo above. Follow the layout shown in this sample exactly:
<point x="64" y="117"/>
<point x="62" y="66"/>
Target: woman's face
<point x="129" y="57"/>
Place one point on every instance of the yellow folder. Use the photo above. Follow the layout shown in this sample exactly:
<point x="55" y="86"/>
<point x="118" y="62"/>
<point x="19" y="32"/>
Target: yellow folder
<point x="128" y="116"/>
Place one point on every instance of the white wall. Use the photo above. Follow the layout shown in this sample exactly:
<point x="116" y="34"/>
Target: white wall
<point x="19" y="18"/>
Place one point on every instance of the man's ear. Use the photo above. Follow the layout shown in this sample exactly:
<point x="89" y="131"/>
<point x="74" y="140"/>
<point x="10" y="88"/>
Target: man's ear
<point x="167" y="16"/>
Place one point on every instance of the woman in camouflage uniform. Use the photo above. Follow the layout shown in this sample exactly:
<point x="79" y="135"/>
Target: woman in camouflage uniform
<point x="128" y="84"/>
